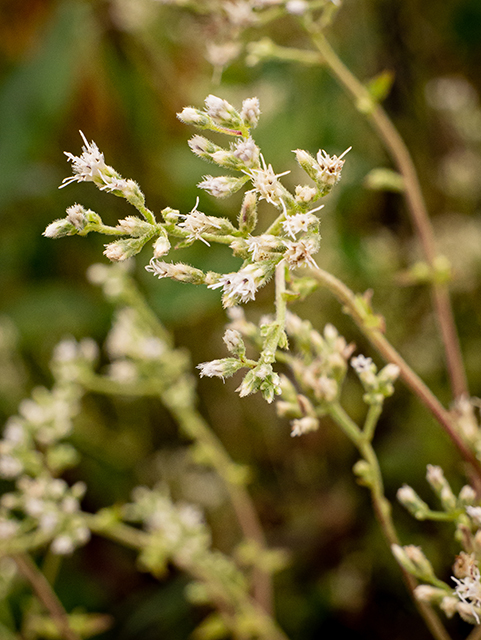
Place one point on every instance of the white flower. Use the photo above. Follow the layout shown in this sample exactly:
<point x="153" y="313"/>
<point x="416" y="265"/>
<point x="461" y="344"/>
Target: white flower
<point x="266" y="184"/>
<point x="330" y="167"/>
<point x="89" y="167"/>
<point x="361" y="364"/>
<point x="240" y="286"/>
<point x="305" y="194"/>
<point x="196" y="223"/>
<point x="261" y="247"/>
<point x="250" y="111"/>
<point x="300" y="253"/>
<point x="300" y="222"/>
<point x="304" y="425"/>
<point x="468" y="589"/>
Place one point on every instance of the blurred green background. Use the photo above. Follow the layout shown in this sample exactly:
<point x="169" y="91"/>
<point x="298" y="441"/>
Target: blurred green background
<point x="119" y="70"/>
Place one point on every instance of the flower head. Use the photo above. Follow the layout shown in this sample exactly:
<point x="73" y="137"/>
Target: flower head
<point x="240" y="286"/>
<point x="89" y="166"/>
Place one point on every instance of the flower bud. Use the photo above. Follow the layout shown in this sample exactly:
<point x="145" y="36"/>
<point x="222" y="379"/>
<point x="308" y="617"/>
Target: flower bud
<point x="248" y="213"/>
<point x="412" y="502"/>
<point x="198" y="118"/>
<point x="234" y="343"/>
<point x="161" y="246"/>
<point x="429" y="594"/>
<point x="222" y="368"/>
<point x="222" y="186"/>
<point x="176" y="271"/>
<point x="123" y="249"/>
<point x="77" y="215"/>
<point x="60" y="228"/>
<point x="250" y="112"/>
<point x="300" y="426"/>
<point x="440" y="486"/>
<point x="134" y="226"/>
<point x="222" y="113"/>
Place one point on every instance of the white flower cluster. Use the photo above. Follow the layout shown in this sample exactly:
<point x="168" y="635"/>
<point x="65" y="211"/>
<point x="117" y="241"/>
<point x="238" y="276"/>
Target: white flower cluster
<point x="178" y="530"/>
<point x="376" y="385"/>
<point x="319" y="365"/>
<point x="90" y="166"/>
<point x="43" y="421"/>
<point x="49" y="506"/>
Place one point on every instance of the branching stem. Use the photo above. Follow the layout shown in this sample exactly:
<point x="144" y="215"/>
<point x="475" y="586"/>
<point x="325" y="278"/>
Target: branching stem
<point x="414" y="198"/>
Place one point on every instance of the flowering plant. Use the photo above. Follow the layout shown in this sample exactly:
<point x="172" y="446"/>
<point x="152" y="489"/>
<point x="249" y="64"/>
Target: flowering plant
<point x="302" y="368"/>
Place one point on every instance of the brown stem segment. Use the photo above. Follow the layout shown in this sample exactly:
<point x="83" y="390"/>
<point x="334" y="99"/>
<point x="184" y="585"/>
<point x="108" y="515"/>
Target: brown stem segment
<point x="398" y="151"/>
<point x="389" y="353"/>
<point x="45" y="594"/>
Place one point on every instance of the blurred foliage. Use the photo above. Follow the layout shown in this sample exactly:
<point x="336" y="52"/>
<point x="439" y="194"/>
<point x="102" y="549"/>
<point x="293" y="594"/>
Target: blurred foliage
<point x="119" y="71"/>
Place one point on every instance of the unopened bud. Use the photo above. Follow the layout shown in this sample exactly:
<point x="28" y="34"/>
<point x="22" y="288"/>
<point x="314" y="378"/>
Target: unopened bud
<point x="222" y="368"/>
<point x="176" y="271"/>
<point x="412" y="502"/>
<point x="234" y="343"/>
<point x="134" y="226"/>
<point x="222" y="186"/>
<point x="248" y="213"/>
<point x="222" y="113"/>
<point x="467" y="495"/>
<point x="77" y="215"/>
<point x="161" y="246"/>
<point x="440" y="486"/>
<point x="170" y="215"/>
<point x="189" y="115"/>
<point x="60" y="228"/>
<point x="250" y="112"/>
<point x="123" y="249"/>
<point x="429" y="594"/>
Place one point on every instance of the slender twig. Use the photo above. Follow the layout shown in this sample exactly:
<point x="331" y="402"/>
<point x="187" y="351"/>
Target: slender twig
<point x="136" y="539"/>
<point x="389" y="353"/>
<point x="45" y="594"/>
<point x="414" y="198"/>
<point x="382" y="510"/>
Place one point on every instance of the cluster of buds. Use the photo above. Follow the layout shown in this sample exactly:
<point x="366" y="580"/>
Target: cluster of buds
<point x="177" y="531"/>
<point x="377" y="385"/>
<point x="32" y="440"/>
<point x="291" y="240"/>
<point x="325" y="170"/>
<point x="137" y="354"/>
<point x="33" y="452"/>
<point x="319" y="365"/>
<point x="462" y="510"/>
<point x="260" y="377"/>
<point x="320" y="361"/>
<point x="48" y="506"/>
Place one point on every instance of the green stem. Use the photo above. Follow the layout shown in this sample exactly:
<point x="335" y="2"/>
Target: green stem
<point x="414" y="198"/>
<point x="371" y="421"/>
<point x="382" y="509"/>
<point x="375" y="336"/>
<point x="136" y="539"/>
